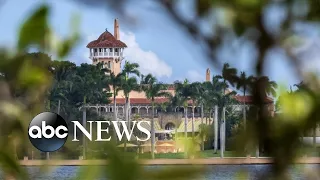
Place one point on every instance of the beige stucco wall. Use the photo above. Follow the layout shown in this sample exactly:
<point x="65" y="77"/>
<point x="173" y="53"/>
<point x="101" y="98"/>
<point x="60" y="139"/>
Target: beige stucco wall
<point x="135" y="94"/>
<point x="115" y="64"/>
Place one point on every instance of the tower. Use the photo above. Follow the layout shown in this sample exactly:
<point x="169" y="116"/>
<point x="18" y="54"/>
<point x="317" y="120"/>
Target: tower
<point x="116" y="29"/>
<point x="208" y="75"/>
<point x="108" y="49"/>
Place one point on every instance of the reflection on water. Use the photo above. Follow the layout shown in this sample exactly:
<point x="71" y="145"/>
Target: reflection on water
<point x="218" y="172"/>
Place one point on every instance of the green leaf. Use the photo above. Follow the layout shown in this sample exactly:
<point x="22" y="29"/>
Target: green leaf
<point x="32" y="76"/>
<point x="203" y="6"/>
<point x="248" y="3"/>
<point x="34" y="30"/>
<point x="66" y="46"/>
<point x="11" y="166"/>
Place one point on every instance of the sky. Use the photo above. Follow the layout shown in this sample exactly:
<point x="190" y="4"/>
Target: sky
<point x="155" y="42"/>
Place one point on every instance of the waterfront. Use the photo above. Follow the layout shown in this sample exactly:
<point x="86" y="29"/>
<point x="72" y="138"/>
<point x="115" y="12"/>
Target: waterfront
<point x="212" y="172"/>
<point x="207" y="161"/>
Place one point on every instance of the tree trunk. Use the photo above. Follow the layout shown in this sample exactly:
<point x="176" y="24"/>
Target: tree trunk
<point x="208" y="117"/>
<point x="257" y="150"/>
<point x="202" y="139"/>
<point x="152" y="133"/>
<point x="185" y="122"/>
<point x="84" y="123"/>
<point x="129" y="112"/>
<point x="185" y="130"/>
<point x="315" y="136"/>
<point x="222" y="133"/>
<point x="215" y="126"/>
<point x="224" y="128"/>
<point x="192" y="122"/>
<point x="127" y="120"/>
<point x="115" y="112"/>
<point x="244" y="117"/>
<point x="244" y="111"/>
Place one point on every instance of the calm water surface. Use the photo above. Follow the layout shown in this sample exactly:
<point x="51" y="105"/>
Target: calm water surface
<point x="218" y="172"/>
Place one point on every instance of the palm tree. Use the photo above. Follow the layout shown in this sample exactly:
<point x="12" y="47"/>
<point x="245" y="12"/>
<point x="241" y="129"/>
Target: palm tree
<point x="128" y="85"/>
<point x="244" y="83"/>
<point x="183" y="93"/>
<point x="128" y="69"/>
<point x="214" y="94"/>
<point x="115" y="82"/>
<point x="131" y="68"/>
<point x="164" y="105"/>
<point x="301" y="86"/>
<point x="228" y="75"/>
<point x="266" y="88"/>
<point x="91" y="79"/>
<point x="199" y="97"/>
<point x="196" y="97"/>
<point x="153" y="89"/>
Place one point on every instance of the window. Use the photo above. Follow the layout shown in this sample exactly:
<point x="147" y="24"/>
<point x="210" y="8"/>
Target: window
<point x="95" y="50"/>
<point x="116" y="49"/>
<point x="109" y="64"/>
<point x="110" y="49"/>
<point x="169" y="126"/>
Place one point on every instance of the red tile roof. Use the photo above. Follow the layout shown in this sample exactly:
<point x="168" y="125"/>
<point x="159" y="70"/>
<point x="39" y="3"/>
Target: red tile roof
<point x="143" y="100"/>
<point x="241" y="99"/>
<point x="106" y="39"/>
<point x="249" y="99"/>
<point x="140" y="100"/>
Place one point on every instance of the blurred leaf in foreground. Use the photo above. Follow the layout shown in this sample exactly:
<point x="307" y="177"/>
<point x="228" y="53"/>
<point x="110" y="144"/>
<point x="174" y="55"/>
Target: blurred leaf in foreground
<point x="35" y="29"/>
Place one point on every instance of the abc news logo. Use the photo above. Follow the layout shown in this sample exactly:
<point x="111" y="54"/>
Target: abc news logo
<point x="48" y="131"/>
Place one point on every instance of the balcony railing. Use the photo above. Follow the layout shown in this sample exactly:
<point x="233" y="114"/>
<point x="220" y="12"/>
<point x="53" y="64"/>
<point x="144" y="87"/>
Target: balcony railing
<point x="149" y="115"/>
<point x="106" y="54"/>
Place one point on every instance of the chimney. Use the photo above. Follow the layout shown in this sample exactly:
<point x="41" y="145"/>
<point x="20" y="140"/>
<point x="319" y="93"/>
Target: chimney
<point x="116" y="29"/>
<point x="208" y="75"/>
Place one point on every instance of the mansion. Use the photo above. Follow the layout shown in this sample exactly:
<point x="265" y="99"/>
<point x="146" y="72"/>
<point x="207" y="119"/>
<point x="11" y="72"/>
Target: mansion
<point x="109" y="50"/>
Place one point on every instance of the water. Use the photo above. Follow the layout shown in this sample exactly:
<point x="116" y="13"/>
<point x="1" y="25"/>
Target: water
<point x="213" y="172"/>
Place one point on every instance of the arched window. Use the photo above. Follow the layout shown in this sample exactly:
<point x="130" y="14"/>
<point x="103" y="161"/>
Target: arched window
<point x="169" y="126"/>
